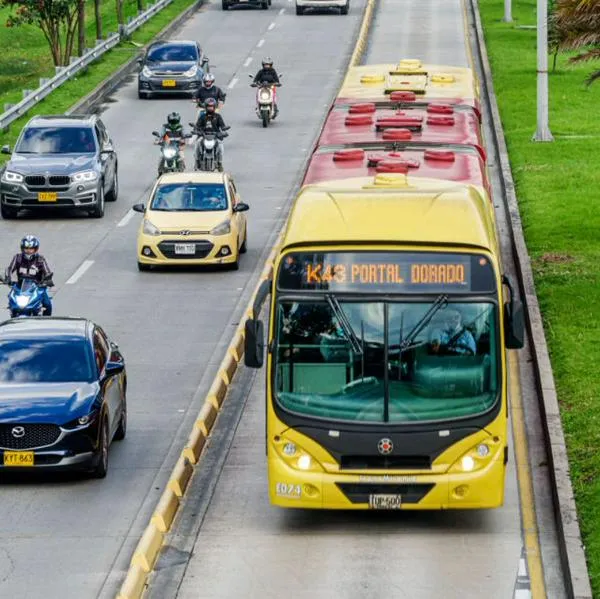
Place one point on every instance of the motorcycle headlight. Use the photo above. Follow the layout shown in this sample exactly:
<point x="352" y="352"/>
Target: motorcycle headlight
<point x="149" y="228"/>
<point x="265" y="96"/>
<point x="146" y="72"/>
<point x="222" y="229"/>
<point x="191" y="72"/>
<point x="209" y="144"/>
<point x="22" y="300"/>
<point x="11" y="177"/>
<point x="85" y="176"/>
<point x="169" y="153"/>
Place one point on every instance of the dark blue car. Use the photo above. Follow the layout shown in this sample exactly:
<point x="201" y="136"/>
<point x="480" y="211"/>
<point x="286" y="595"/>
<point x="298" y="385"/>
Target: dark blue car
<point x="62" y="394"/>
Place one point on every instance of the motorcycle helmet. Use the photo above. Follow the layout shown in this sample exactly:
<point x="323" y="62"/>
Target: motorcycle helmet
<point x="210" y="104"/>
<point x="208" y="80"/>
<point x="267" y="62"/>
<point x="174" y="120"/>
<point x="29" y="246"/>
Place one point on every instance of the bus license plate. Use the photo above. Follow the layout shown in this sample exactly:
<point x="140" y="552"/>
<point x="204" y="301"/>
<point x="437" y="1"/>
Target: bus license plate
<point x="169" y="83"/>
<point x="185" y="248"/>
<point x="18" y="458"/>
<point x="385" y="502"/>
<point x="47" y="196"/>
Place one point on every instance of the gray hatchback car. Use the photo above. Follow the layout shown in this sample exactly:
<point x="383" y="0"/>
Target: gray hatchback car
<point x="60" y="162"/>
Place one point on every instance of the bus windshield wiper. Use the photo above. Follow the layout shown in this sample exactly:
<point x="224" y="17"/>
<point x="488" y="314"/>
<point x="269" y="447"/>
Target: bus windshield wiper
<point x="440" y="302"/>
<point x="339" y="313"/>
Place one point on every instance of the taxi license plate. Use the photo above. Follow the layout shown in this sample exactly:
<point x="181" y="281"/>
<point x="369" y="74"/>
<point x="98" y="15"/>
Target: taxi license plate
<point x="185" y="248"/>
<point x="18" y="458"/>
<point x="385" y="502"/>
<point x="169" y="83"/>
<point x="47" y="196"/>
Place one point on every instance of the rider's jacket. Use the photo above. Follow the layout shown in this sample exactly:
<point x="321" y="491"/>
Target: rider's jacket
<point x="203" y="94"/>
<point x="268" y="75"/>
<point x="218" y="124"/>
<point x="37" y="268"/>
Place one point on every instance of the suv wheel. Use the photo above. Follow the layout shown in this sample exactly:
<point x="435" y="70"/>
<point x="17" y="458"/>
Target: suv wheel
<point x="113" y="194"/>
<point x="98" y="211"/>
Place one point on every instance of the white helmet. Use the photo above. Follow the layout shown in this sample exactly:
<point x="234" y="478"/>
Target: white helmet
<point x="208" y="80"/>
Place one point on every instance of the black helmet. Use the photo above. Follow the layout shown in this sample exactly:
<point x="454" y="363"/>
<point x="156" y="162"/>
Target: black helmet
<point x="174" y="119"/>
<point x="30" y="242"/>
<point x="267" y="62"/>
<point x="210" y="103"/>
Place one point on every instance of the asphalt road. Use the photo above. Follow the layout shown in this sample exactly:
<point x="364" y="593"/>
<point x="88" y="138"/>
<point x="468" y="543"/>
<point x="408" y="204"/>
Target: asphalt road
<point x="230" y="543"/>
<point x="67" y="537"/>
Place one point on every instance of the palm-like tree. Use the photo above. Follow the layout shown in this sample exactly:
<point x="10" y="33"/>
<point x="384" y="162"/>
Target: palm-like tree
<point x="579" y="24"/>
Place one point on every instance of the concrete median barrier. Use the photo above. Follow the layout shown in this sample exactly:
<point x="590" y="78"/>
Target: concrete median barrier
<point x="194" y="446"/>
<point x="148" y="548"/>
<point x="165" y="510"/>
<point x="134" y="584"/>
<point x="182" y="473"/>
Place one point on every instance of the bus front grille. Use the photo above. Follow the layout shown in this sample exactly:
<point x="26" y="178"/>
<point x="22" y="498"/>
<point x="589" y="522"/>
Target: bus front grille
<point x="387" y="462"/>
<point x="359" y="492"/>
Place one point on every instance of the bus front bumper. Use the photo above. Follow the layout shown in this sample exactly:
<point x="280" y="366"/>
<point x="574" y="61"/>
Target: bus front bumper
<point x="291" y="488"/>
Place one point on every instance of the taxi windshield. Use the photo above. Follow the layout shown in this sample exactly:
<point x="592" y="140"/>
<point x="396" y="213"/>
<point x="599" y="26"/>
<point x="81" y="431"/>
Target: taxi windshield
<point x="190" y="197"/>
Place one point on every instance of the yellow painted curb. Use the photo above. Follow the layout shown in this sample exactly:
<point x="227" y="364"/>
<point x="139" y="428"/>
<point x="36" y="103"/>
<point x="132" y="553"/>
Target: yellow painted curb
<point x="228" y="368"/>
<point x="181" y="474"/>
<point x="363" y="34"/>
<point x="195" y="445"/>
<point x="134" y="584"/>
<point x="237" y="347"/>
<point x="148" y="548"/>
<point x="206" y="418"/>
<point x="218" y="390"/>
<point x="165" y="510"/>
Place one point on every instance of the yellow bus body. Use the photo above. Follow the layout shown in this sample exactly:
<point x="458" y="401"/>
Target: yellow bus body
<point x="357" y="214"/>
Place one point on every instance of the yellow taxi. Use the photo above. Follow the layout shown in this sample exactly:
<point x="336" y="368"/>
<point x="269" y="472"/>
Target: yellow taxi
<point x="192" y="218"/>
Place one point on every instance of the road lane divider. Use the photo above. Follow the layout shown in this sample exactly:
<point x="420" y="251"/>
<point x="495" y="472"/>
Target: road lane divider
<point x="85" y="265"/>
<point x="148" y="549"/>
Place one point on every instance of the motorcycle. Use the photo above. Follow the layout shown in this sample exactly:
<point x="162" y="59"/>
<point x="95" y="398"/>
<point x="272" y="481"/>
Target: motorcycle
<point x="208" y="154"/>
<point x="266" y="100"/>
<point x="201" y="108"/>
<point x="25" y="299"/>
<point x="171" y="159"/>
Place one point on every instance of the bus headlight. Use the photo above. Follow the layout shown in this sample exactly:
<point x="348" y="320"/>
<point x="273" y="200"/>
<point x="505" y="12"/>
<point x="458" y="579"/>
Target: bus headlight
<point x="294" y="456"/>
<point x="304" y="462"/>
<point x="477" y="457"/>
<point x="467" y="463"/>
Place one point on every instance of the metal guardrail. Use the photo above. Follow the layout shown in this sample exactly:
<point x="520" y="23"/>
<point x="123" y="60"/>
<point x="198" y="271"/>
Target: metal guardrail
<point x="77" y="64"/>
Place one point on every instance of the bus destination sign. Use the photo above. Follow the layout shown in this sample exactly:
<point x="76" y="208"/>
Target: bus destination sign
<point x="392" y="272"/>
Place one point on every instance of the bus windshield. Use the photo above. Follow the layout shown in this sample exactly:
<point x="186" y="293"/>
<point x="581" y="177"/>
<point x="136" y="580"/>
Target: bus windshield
<point x="423" y="360"/>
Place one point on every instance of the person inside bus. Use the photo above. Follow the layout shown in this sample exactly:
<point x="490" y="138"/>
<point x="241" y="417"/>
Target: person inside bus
<point x="454" y="338"/>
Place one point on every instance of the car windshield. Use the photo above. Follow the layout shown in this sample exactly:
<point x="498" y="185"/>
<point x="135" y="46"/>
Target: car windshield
<point x="190" y="197"/>
<point x="59" y="360"/>
<point x="173" y="53"/>
<point x="418" y="361"/>
<point x="56" y="140"/>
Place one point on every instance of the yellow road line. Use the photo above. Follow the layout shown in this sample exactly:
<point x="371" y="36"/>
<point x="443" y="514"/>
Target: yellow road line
<point x="528" y="517"/>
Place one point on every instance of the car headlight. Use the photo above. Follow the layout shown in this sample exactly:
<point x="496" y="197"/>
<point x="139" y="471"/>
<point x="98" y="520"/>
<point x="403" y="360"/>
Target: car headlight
<point x="149" y="228"/>
<point x="191" y="72"/>
<point x="85" y="176"/>
<point x="477" y="457"/>
<point x="295" y="456"/>
<point x="22" y="300"/>
<point x="169" y="153"/>
<point x="146" y="72"/>
<point x="84" y="420"/>
<point x="222" y="229"/>
<point x="11" y="177"/>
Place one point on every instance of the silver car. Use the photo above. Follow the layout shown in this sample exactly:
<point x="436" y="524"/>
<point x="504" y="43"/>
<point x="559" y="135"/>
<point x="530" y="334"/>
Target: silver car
<point x="60" y="162"/>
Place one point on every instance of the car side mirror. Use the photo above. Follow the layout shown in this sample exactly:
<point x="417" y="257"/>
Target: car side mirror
<point x="241" y="207"/>
<point x="139" y="208"/>
<point x="107" y="149"/>
<point x="113" y="368"/>
<point x="156" y="133"/>
<point x="5" y="149"/>
<point x="254" y="343"/>
<point x="205" y="60"/>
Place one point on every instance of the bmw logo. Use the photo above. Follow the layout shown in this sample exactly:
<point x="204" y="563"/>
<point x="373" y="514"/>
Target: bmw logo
<point x="385" y="446"/>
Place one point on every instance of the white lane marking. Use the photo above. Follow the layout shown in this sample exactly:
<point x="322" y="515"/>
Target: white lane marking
<point x="522" y="594"/>
<point x="232" y="83"/>
<point x="522" y="568"/>
<point x="260" y="43"/>
<point x="79" y="272"/>
<point x="126" y="218"/>
<point x="282" y="10"/>
<point x="271" y="26"/>
<point x="248" y="61"/>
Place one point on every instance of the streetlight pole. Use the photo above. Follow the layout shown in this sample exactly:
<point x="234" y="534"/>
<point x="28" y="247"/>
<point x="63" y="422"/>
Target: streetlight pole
<point x="543" y="129"/>
<point x="507" y="11"/>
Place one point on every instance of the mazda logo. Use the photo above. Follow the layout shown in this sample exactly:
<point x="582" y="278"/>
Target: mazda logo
<point x="385" y="446"/>
<point x="18" y="432"/>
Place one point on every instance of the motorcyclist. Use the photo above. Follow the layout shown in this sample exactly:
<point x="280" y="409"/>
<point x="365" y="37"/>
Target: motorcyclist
<point x="209" y="90"/>
<point x="268" y="75"/>
<point x="172" y="129"/>
<point x="211" y="119"/>
<point x="30" y="264"/>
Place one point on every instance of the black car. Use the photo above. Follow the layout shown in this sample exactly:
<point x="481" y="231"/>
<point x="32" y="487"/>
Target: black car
<point x="171" y="67"/>
<point x="60" y="162"/>
<point x="62" y="395"/>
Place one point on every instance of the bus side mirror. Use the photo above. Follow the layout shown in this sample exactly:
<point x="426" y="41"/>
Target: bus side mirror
<point x="254" y="343"/>
<point x="514" y="325"/>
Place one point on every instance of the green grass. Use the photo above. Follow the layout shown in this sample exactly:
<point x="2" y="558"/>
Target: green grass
<point x="557" y="186"/>
<point x="25" y="57"/>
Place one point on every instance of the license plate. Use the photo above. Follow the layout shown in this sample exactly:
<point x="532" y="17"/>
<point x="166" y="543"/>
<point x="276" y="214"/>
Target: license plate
<point x="385" y="502"/>
<point x="169" y="83"/>
<point x="47" y="196"/>
<point x="185" y="248"/>
<point x="18" y="458"/>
